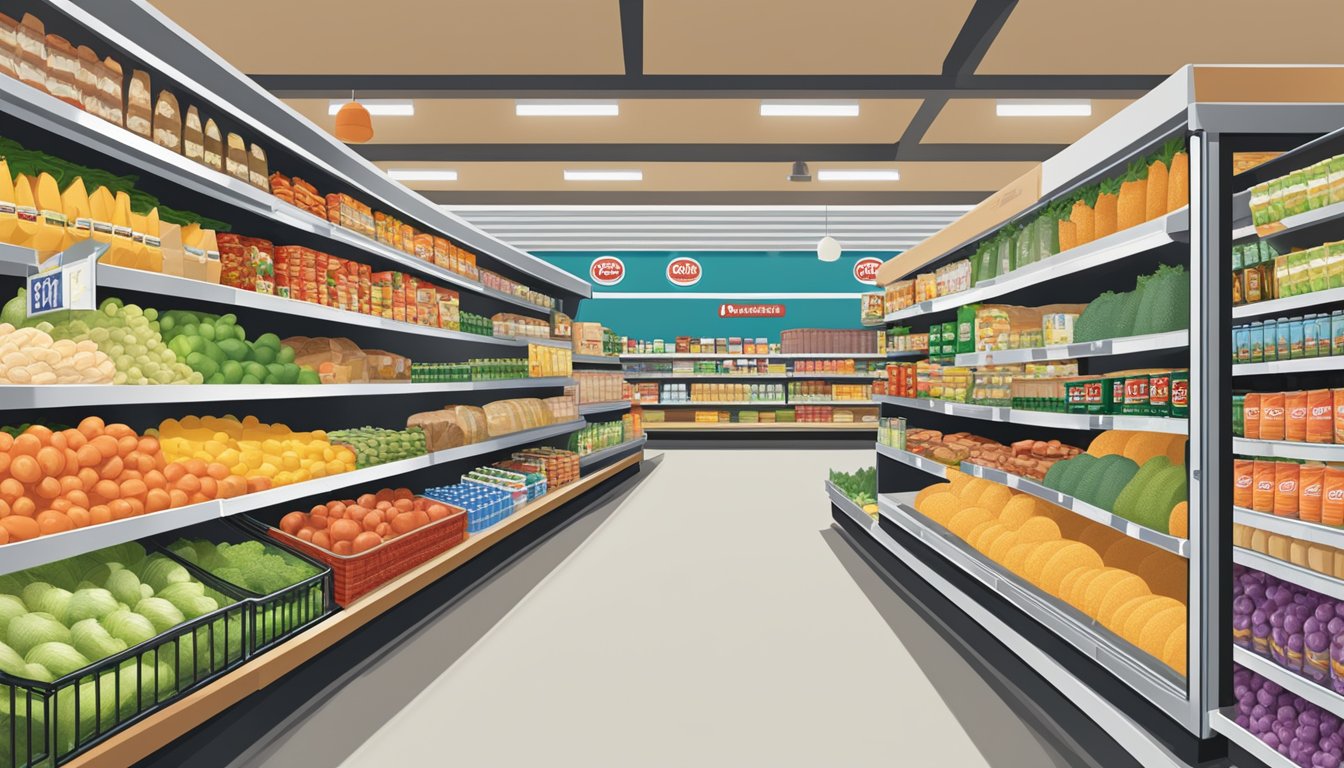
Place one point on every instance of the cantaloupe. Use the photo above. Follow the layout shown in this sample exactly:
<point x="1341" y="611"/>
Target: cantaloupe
<point x="1176" y="449"/>
<point x="1109" y="442"/>
<point x="987" y="536"/>
<point x="1017" y="511"/>
<point x="1167" y="489"/>
<point x="995" y="498"/>
<point x="1152" y="638"/>
<point x="1174" y="650"/>
<point x="958" y="479"/>
<point x="1143" y="446"/>
<point x="1126" y="553"/>
<point x="940" y="507"/>
<point x="1073" y="557"/>
<point x="998" y="550"/>
<point x="1054" y="473"/>
<point x="970" y="491"/>
<point x="1127" y="504"/>
<point x="1121" y="592"/>
<point x="1077" y="594"/>
<point x="1117" y="619"/>
<point x="1016" y="559"/>
<point x="1077" y="469"/>
<point x="929" y="491"/>
<point x="1100" y="587"/>
<point x="1134" y="624"/>
<point x="962" y="522"/>
<point x="1065" y="589"/>
<point x="1090" y="485"/>
<point x="1038" y="529"/>
<point x="973" y="535"/>
<point x="1178" y="524"/>
<point x="1034" y="565"/>
<point x="1117" y="476"/>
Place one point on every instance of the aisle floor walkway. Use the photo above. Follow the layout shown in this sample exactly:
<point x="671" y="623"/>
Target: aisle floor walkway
<point x="710" y="617"/>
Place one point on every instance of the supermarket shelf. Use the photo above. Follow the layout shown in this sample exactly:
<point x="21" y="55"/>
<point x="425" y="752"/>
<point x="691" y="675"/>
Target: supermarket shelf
<point x="751" y="376"/>
<point x="1317" y="694"/>
<point x="1300" y="365"/>
<point x="509" y="298"/>
<point x="620" y="405"/>
<point x="843" y="502"/>
<point x="156" y="731"/>
<point x="596" y="360"/>
<point x="774" y="356"/>
<point x="1290" y="526"/>
<point x="723" y="404"/>
<point x="937" y="469"/>
<point x="1224" y="721"/>
<point x="1282" y="569"/>
<point x="1292" y="225"/>
<point x="20" y="397"/>
<point x="540" y="342"/>
<point x="908" y="354"/>
<point x="769" y="426"/>
<point x="1289" y="304"/>
<point x="841" y="403"/>
<point x="25" y="554"/>
<point x="1158" y="683"/>
<point x="1130" y="242"/>
<point x="1040" y="418"/>
<point x="1282" y="449"/>
<point x="616" y="450"/>
<point x="1100" y="348"/>
<point x="1172" y="544"/>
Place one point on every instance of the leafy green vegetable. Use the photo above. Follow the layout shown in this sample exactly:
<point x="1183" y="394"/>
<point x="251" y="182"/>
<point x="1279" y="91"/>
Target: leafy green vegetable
<point x="859" y="486"/>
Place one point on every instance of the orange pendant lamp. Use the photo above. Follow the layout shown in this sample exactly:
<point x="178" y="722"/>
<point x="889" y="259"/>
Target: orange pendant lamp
<point x="353" y="124"/>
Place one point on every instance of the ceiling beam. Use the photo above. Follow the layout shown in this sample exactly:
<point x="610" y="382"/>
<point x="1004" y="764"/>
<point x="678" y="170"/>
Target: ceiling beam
<point x="632" y="36"/>
<point x="809" y="197"/>
<point x="945" y="85"/>
<point x="697" y="153"/>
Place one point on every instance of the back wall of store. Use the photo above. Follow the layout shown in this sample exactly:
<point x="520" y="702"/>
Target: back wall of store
<point x="645" y="303"/>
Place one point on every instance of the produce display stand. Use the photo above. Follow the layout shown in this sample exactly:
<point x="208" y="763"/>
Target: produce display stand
<point x="173" y="722"/>
<point x="1144" y="706"/>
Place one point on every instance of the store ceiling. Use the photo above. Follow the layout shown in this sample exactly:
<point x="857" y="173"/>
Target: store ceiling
<point x="690" y="75"/>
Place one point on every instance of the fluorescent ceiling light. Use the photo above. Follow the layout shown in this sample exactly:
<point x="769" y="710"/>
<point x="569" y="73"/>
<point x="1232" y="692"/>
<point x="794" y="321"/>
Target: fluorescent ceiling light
<point x="414" y="174"/>
<point x="794" y="108"/>
<point x="842" y="174"/>
<point x="1051" y="108"/>
<point x="377" y="107"/>
<point x="604" y="175"/>
<point x="566" y="108"/>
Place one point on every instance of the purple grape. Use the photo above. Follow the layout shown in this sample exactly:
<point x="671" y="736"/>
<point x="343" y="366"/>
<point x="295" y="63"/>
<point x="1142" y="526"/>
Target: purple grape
<point x="1277" y="617"/>
<point x="1292" y="624"/>
<point x="1329" y="723"/>
<point x="1336" y="626"/>
<point x="1325" y="612"/>
<point x="1308" y="733"/>
<point x="1243" y="606"/>
<point x="1266" y="698"/>
<point x="1259" y="616"/>
<point x="1327" y="760"/>
<point x="1286" y="714"/>
<point x="1310" y="717"/>
<point x="1270" y="739"/>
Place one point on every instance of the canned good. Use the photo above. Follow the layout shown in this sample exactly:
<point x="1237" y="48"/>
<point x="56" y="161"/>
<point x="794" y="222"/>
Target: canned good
<point x="1180" y="395"/>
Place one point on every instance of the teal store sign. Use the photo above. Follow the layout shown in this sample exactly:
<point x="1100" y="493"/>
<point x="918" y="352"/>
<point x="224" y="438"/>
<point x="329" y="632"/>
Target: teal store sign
<point x="664" y="294"/>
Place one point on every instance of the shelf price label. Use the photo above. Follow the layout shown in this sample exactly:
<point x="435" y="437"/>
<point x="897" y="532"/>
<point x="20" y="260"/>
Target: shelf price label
<point x="68" y="282"/>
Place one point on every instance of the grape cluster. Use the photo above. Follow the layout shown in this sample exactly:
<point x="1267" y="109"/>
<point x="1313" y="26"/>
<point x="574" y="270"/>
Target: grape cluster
<point x="129" y="336"/>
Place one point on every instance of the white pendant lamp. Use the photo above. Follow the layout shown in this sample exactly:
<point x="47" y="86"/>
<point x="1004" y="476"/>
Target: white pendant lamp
<point x="828" y="248"/>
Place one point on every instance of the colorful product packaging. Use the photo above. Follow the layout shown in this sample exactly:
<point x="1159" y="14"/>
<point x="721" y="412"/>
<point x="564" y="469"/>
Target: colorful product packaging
<point x="1262" y="495"/>
<point x="1320" y="416"/>
<point x="1250" y="411"/>
<point x="1272" y="416"/>
<point x="1311" y="480"/>
<point x="1332" y="499"/>
<point x="1295" y="416"/>
<point x="1286" y="478"/>
<point x="1243" y="483"/>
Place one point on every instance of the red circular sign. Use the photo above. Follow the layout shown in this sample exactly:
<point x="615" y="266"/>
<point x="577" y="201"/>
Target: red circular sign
<point x="684" y="271"/>
<point x="865" y="270"/>
<point x="607" y="270"/>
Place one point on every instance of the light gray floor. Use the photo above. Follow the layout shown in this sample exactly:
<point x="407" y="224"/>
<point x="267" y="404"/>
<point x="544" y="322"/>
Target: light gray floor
<point x="708" y="617"/>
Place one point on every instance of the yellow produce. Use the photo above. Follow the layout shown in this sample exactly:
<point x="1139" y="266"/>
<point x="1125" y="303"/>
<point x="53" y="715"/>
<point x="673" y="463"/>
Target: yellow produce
<point x="1034" y="565"/>
<point x="75" y="203"/>
<point x="995" y="498"/>
<point x="1073" y="558"/>
<point x="1139" y="619"/>
<point x="254" y="450"/>
<point x="929" y="491"/>
<point x="998" y="551"/>
<point x="962" y="522"/>
<point x="1120" y="616"/>
<point x="940" y="507"/>
<point x="1174" y="652"/>
<point x="50" y="232"/>
<point x="29" y="356"/>
<point x="1124" y="590"/>
<point x="8" y="216"/>
<point x="1074" y="586"/>
<point x="1038" y="529"/>
<point x="970" y="491"/>
<point x="1152" y="637"/>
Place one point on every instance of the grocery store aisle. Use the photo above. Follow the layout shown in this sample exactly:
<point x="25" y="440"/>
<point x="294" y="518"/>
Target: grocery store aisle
<point x="711" y="619"/>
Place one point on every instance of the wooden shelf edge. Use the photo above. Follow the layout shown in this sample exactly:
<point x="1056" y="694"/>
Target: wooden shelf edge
<point x="158" y="730"/>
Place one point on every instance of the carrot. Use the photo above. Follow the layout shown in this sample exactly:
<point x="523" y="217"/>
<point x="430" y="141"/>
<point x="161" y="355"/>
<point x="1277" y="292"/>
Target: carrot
<point x="1132" y="205"/>
<point x="1178" y="181"/>
<point x="1083" y="221"/>
<point x="1155" y="196"/>
<point x="1068" y="235"/>
<point x="1107" y="199"/>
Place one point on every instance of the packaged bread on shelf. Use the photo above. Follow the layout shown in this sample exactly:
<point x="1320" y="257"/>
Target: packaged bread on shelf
<point x="63" y="70"/>
<point x="387" y="366"/>
<point x="441" y="429"/>
<point x="471" y="419"/>
<point x="110" y="81"/>
<point x="32" y="41"/>
<point x="87" y="76"/>
<point x="336" y="360"/>
<point x="214" y="145"/>
<point x="235" y="157"/>
<point x="193" y="136"/>
<point x="168" y="122"/>
<point x="9" y="46"/>
<point x="257" y="171"/>
<point x="139" y="105"/>
<point x="507" y="416"/>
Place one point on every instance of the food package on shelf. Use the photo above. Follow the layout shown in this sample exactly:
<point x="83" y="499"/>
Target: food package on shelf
<point x="235" y="157"/>
<point x="31" y="39"/>
<point x="515" y="415"/>
<point x="167" y="123"/>
<point x="871" y="308"/>
<point x="472" y="421"/>
<point x="562" y="408"/>
<point x="441" y="429"/>
<point x="587" y="338"/>
<point x="139" y="105"/>
<point x="387" y="366"/>
<point x="509" y="324"/>
<point x="562" y="325"/>
<point x="193" y="136"/>
<point x="9" y="47"/>
<point x="336" y="360"/>
<point x="62" y="70"/>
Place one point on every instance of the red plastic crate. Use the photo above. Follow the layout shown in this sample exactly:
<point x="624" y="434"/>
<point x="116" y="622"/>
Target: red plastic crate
<point x="356" y="575"/>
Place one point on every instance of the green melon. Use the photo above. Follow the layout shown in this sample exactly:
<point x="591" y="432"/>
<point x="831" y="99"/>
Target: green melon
<point x="1131" y="499"/>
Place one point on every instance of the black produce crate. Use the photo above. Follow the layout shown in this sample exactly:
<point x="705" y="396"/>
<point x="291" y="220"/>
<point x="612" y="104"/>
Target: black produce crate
<point x="272" y="618"/>
<point x="47" y="724"/>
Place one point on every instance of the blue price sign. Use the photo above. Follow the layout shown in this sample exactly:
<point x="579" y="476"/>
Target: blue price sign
<point x="46" y="292"/>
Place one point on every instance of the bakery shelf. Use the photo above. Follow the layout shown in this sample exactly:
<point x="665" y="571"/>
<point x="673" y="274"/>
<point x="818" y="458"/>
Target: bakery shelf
<point x="1289" y="304"/>
<point x="1282" y="569"/>
<point x="923" y="464"/>
<point x="1317" y="694"/>
<point x="612" y="407"/>
<point x="1040" y="418"/>
<point x="774" y="356"/>
<point x="521" y="303"/>
<point x="1129" y="242"/>
<point x="1300" y="365"/>
<point x="1164" y="541"/>
<point x="620" y="449"/>
<point x="596" y="360"/>
<point x="1224" y="721"/>
<point x="21" y="397"/>
<point x="768" y="426"/>
<point x="1101" y="348"/>
<point x="142" y="739"/>
<point x="1289" y="526"/>
<point x="1149" y="677"/>
<point x="45" y="549"/>
<point x="1282" y="449"/>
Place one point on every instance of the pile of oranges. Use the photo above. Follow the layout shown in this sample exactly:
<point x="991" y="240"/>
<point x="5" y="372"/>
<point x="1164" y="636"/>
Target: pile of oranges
<point x="357" y="525"/>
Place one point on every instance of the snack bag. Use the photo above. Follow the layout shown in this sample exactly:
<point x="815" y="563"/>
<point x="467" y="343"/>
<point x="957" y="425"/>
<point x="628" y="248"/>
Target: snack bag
<point x="1311" y="479"/>
<point x="1286" y="478"/>
<point x="1273" y="421"/>
<point x="1262" y="496"/>
<point x="1295" y="416"/>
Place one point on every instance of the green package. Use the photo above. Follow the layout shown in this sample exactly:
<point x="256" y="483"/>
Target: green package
<point x="1006" y="255"/>
<point x="1238" y="415"/>
<point x="1317" y="274"/>
<point x="966" y="328"/>
<point x="1047" y="236"/>
<point x="1318" y="185"/>
<point x="1270" y="337"/>
<point x="1324" y="335"/>
<point x="1334" y="264"/>
<point x="1295" y="194"/>
<point x="1256" y="343"/>
<point x="1241" y="344"/>
<point x="975" y="266"/>
<point x="1336" y="179"/>
<point x="1275" y="207"/>
<point x="1309" y="348"/>
<point x="1237" y="260"/>
<point x="1260" y="204"/>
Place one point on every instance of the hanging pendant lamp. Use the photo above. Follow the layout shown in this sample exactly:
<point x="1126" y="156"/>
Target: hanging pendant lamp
<point x="828" y="248"/>
<point x="353" y="124"/>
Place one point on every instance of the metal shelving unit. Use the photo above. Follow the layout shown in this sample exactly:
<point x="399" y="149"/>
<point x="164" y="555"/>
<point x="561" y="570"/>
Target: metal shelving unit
<point x="597" y="360"/>
<point x="1224" y="721"/>
<point x="1080" y="421"/>
<point x="909" y="459"/>
<point x="1289" y="304"/>
<point x="773" y="356"/>
<point x="1282" y="569"/>
<point x="1300" y="365"/>
<point x="615" y="451"/>
<point x="646" y="376"/>
<point x="1316" y="693"/>
<point x="1127" y="345"/>
<point x="612" y="407"/>
<point x="1288" y="526"/>
<point x="1282" y="449"/>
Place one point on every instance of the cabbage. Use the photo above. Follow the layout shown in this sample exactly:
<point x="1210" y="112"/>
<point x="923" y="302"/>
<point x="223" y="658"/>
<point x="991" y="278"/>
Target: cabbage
<point x="10" y="606"/>
<point x="60" y="658"/>
<point x="173" y="591"/>
<point x="41" y="597"/>
<point x="189" y="598"/>
<point x="11" y="663"/>
<point x="146" y="591"/>
<point x="161" y="613"/>
<point x="93" y="640"/>
<point x="13" y="583"/>
<point x="89" y="604"/>
<point x="100" y="573"/>
<point x="130" y="554"/>
<point x="124" y="586"/>
<point x="37" y="672"/>
<point x="30" y="630"/>
<point x="159" y="571"/>
<point x="128" y="627"/>
<point x="33" y="593"/>
<point x="59" y="573"/>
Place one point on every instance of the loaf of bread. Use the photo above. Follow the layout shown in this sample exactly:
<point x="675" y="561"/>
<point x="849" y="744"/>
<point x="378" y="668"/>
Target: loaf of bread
<point x="168" y="122"/>
<point x="471" y="420"/>
<point x="507" y="416"/>
<point x="214" y="145"/>
<point x="32" y="41"/>
<point x="9" y="46"/>
<point x="110" y="82"/>
<point x="257" y="172"/>
<point x="193" y="136"/>
<point x="235" y="157"/>
<point x="62" y="70"/>
<point x="441" y="429"/>
<point x="86" y="79"/>
<point x="139" y="105"/>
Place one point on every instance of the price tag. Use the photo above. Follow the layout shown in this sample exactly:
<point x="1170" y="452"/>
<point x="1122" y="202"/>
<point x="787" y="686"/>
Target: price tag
<point x="68" y="283"/>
